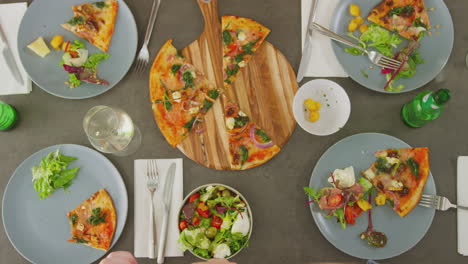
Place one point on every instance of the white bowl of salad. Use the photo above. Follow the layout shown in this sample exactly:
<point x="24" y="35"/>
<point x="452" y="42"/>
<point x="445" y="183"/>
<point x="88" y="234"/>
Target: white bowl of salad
<point x="215" y="221"/>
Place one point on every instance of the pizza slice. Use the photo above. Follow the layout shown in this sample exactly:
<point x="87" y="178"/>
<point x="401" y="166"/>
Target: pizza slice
<point x="401" y="175"/>
<point x="180" y="94"/>
<point x="93" y="222"/>
<point x="249" y="145"/>
<point x="241" y="38"/>
<point x="408" y="17"/>
<point x="94" y="22"/>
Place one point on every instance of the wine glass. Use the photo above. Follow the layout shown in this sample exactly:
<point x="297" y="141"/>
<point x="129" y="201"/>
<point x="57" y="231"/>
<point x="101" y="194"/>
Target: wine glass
<point x="111" y="130"/>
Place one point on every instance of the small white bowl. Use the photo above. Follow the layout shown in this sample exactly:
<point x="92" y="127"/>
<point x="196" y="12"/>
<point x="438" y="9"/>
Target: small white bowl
<point x="334" y="112"/>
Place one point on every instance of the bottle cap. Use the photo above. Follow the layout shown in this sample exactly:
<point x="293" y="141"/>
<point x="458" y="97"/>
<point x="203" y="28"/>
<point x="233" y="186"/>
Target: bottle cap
<point x="442" y="96"/>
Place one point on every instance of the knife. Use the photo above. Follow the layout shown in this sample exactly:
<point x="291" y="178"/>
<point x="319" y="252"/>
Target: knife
<point x="306" y="52"/>
<point x="167" y="198"/>
<point x="10" y="60"/>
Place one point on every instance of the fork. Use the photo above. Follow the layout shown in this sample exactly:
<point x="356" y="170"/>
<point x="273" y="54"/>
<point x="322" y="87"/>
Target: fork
<point x="374" y="56"/>
<point x="143" y="55"/>
<point x="438" y="202"/>
<point x="152" y="182"/>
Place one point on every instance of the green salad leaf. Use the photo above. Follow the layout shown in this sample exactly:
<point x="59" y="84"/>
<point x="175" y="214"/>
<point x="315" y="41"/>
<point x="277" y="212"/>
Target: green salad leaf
<point x="52" y="174"/>
<point x="313" y="193"/>
<point x="73" y="81"/>
<point x="381" y="39"/>
<point x="339" y="214"/>
<point x="94" y="60"/>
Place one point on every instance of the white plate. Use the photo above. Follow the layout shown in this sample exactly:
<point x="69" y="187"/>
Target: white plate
<point x="334" y="112"/>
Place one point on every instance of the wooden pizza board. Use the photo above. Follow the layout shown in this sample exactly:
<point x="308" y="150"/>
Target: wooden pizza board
<point x="264" y="90"/>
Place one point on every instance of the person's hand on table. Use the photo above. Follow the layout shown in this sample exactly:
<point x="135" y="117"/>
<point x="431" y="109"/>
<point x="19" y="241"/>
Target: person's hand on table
<point x="119" y="257"/>
<point x="216" y="261"/>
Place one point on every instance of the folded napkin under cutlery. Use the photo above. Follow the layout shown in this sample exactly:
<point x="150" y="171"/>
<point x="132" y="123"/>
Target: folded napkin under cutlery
<point x="142" y="208"/>
<point x="10" y="19"/>
<point x="323" y="61"/>
<point x="462" y="199"/>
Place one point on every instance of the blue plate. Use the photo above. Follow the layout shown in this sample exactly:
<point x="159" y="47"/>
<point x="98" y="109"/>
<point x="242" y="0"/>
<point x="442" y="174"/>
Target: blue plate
<point x="435" y="50"/>
<point x="39" y="229"/>
<point x="44" y="18"/>
<point x="402" y="233"/>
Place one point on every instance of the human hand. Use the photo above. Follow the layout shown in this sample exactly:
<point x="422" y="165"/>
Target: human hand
<point x="119" y="257"/>
<point x="216" y="261"/>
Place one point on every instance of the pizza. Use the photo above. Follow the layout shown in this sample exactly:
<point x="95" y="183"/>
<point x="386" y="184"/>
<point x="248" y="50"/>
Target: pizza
<point x="241" y="38"/>
<point x="401" y="175"/>
<point x="93" y="222"/>
<point x="408" y="17"/>
<point x="249" y="145"/>
<point x="94" y="22"/>
<point x="180" y="94"/>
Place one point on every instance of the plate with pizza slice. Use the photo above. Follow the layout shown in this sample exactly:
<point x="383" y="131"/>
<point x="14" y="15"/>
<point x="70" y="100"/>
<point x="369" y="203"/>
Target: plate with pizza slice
<point x="77" y="224"/>
<point x="93" y="32"/>
<point x="399" y="175"/>
<point x="419" y="33"/>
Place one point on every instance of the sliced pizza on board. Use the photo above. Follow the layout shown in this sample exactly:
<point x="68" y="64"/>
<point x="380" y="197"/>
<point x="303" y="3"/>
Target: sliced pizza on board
<point x="401" y="175"/>
<point x="181" y="95"/>
<point x="249" y="145"/>
<point x="94" y="22"/>
<point x="408" y="17"/>
<point x="241" y="38"/>
<point x="93" y="222"/>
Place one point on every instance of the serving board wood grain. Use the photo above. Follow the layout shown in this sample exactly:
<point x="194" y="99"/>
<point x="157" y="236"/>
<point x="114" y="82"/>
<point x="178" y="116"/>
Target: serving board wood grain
<point x="264" y="90"/>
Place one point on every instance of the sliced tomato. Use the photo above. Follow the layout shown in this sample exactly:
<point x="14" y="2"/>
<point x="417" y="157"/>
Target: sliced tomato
<point x="351" y="212"/>
<point x="335" y="200"/>
<point x="182" y="225"/>
<point x="203" y="210"/>
<point x="216" y="221"/>
<point x="194" y="197"/>
<point x="195" y="221"/>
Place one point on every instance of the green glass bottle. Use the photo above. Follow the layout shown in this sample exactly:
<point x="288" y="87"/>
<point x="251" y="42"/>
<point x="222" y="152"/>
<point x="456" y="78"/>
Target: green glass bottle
<point x="8" y="116"/>
<point x="425" y="107"/>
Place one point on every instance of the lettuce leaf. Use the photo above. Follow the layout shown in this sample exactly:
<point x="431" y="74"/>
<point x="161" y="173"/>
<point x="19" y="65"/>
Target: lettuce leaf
<point x="94" y="60"/>
<point x="381" y="39"/>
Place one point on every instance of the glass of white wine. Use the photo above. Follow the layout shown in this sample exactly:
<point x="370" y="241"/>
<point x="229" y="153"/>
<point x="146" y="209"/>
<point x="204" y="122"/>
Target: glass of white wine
<point x="111" y="130"/>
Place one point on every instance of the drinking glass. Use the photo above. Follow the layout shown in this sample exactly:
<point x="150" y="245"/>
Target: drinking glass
<point x="111" y="130"/>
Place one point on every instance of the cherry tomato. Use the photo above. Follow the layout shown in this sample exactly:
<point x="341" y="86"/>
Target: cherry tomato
<point x="335" y="200"/>
<point x="351" y="212"/>
<point x="203" y="210"/>
<point x="182" y="225"/>
<point x="195" y="221"/>
<point x="216" y="221"/>
<point x="194" y="197"/>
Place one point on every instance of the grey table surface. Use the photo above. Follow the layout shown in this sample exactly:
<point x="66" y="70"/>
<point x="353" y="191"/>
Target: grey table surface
<point x="284" y="231"/>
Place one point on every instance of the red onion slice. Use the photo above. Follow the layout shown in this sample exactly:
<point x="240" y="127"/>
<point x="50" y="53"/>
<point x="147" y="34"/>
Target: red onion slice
<point x="258" y="144"/>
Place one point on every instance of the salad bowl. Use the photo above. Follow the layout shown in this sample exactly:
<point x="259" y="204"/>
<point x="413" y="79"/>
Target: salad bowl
<point x="236" y="193"/>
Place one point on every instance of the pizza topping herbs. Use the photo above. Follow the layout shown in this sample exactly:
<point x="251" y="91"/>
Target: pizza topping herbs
<point x="73" y="218"/>
<point x="262" y="135"/>
<point x="80" y="240"/>
<point x="406" y="11"/>
<point x="101" y="4"/>
<point x="78" y="20"/>
<point x="240" y="121"/>
<point x="227" y="38"/>
<point x="97" y="217"/>
<point x="175" y="68"/>
<point x="414" y="167"/>
<point x="190" y="124"/>
<point x="188" y="78"/>
<point x="213" y="94"/>
<point x="244" y="152"/>
<point x="167" y="101"/>
<point x="52" y="173"/>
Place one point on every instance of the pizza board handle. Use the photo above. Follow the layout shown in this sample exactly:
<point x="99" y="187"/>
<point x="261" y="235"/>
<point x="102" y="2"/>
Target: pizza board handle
<point x="209" y="9"/>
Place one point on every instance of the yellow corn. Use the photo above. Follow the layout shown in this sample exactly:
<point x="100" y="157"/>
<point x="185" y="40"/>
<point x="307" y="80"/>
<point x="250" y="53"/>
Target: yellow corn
<point x="358" y="20"/>
<point x="56" y="41"/>
<point x="312" y="105"/>
<point x="354" y="10"/>
<point x="352" y="26"/>
<point x="314" y="116"/>
<point x="363" y="28"/>
<point x="364" y="205"/>
<point x="380" y="199"/>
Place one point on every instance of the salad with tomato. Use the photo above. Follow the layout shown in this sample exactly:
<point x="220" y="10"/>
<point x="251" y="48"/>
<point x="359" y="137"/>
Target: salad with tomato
<point x="346" y="199"/>
<point x="214" y="222"/>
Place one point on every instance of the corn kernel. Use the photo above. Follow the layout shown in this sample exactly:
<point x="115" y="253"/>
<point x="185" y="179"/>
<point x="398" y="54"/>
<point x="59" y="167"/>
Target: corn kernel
<point x="56" y="41"/>
<point x="380" y="199"/>
<point x="314" y="116"/>
<point x="312" y="105"/>
<point x="363" y="28"/>
<point x="364" y="205"/>
<point x="358" y="20"/>
<point x="354" y="10"/>
<point x="352" y="26"/>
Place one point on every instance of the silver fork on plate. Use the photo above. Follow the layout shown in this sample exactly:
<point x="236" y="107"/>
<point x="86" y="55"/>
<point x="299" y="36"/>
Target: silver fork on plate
<point x="152" y="182"/>
<point x="143" y="56"/>
<point x="438" y="202"/>
<point x="374" y="56"/>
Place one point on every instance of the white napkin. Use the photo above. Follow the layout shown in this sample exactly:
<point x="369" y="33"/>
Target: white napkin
<point x="323" y="61"/>
<point x="10" y="19"/>
<point x="142" y="203"/>
<point x="462" y="199"/>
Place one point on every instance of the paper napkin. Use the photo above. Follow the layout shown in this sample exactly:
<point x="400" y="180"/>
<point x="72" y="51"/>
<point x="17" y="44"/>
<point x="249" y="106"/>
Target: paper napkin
<point x="323" y="61"/>
<point x="10" y="19"/>
<point x="142" y="208"/>
<point x="462" y="199"/>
